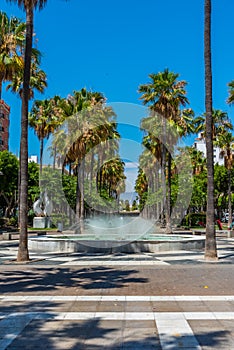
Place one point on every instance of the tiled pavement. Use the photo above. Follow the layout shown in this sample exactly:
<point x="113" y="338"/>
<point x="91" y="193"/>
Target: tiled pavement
<point x="170" y="300"/>
<point x="8" y="252"/>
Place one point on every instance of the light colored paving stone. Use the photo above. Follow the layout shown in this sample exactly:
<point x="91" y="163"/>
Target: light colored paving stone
<point x="175" y="332"/>
<point x="97" y="298"/>
<point x="172" y="328"/>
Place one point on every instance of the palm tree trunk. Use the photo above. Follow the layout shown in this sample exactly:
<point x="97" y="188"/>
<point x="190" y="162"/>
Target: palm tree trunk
<point x="55" y="156"/>
<point x="41" y="157"/>
<point x="23" y="254"/>
<point x="210" y="248"/>
<point x="229" y="198"/>
<point x="91" y="173"/>
<point x="168" y="197"/>
<point x="78" y="195"/>
<point x="82" y="190"/>
<point x="0" y="88"/>
<point x="163" y="182"/>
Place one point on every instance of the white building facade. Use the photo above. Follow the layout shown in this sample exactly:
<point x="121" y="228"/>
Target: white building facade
<point x="200" y="145"/>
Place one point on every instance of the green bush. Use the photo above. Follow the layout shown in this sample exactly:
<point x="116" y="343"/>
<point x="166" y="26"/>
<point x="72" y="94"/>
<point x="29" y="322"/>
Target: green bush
<point x="13" y="221"/>
<point x="192" y="219"/>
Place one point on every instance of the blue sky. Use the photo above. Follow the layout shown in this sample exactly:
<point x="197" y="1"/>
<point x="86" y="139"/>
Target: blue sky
<point x="112" y="46"/>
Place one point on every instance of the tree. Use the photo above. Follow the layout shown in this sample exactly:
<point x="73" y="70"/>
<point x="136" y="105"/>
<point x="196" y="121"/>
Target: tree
<point x="8" y="181"/>
<point x="221" y="188"/>
<point x="37" y="79"/>
<point x="230" y="99"/>
<point x="28" y="6"/>
<point x="44" y="118"/>
<point x="164" y="95"/>
<point x="210" y="247"/>
<point x="226" y="142"/>
<point x="12" y="34"/>
<point x="221" y="123"/>
<point x="33" y="183"/>
<point x="89" y="123"/>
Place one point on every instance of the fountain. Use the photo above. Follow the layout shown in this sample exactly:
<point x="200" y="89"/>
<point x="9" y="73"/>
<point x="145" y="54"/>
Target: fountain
<point x="117" y="234"/>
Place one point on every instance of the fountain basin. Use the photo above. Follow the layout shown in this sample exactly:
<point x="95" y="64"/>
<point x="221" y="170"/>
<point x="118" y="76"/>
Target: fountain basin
<point x="90" y="244"/>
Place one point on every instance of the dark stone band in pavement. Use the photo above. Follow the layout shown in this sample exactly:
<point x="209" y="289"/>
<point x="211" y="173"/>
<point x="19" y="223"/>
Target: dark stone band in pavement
<point x="118" y="280"/>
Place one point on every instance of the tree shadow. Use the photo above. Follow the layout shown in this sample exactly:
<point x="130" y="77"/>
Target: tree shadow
<point x="52" y="279"/>
<point x="97" y="334"/>
<point x="30" y="306"/>
<point x="76" y="335"/>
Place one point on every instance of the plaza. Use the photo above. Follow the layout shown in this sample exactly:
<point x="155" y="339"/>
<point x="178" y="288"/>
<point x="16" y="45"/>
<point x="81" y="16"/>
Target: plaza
<point x="169" y="300"/>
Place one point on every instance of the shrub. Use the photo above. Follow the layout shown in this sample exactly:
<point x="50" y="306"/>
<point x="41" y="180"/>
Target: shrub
<point x="192" y="219"/>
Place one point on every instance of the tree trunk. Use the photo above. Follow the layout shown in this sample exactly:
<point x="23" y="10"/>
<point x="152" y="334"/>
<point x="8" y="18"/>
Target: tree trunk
<point x="78" y="195"/>
<point x="23" y="254"/>
<point x="41" y="158"/>
<point x="91" y="173"/>
<point x="0" y="88"/>
<point x="210" y="248"/>
<point x="55" y="156"/>
<point x="229" y="198"/>
<point x="82" y="190"/>
<point x="168" y="197"/>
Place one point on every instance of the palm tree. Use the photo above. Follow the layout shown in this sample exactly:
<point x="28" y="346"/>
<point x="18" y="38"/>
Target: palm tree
<point x="89" y="122"/>
<point x="28" y="6"/>
<point x="44" y="118"/>
<point x="210" y="248"/>
<point x="12" y="34"/>
<point x="220" y="123"/>
<point x="164" y="95"/>
<point x="230" y="99"/>
<point x="226" y="142"/>
<point x="197" y="159"/>
<point x="38" y="79"/>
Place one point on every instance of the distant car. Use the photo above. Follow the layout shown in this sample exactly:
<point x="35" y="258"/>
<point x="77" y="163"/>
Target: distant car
<point x="225" y="218"/>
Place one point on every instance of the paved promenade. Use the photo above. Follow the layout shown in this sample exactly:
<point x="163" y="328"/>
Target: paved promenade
<point x="168" y="300"/>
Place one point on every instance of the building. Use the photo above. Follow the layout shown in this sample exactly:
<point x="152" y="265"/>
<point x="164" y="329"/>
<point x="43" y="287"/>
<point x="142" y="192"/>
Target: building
<point x="4" y="126"/>
<point x="200" y="145"/>
<point x="33" y="159"/>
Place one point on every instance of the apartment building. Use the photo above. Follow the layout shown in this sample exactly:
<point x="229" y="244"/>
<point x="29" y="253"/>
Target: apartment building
<point x="200" y="145"/>
<point x="4" y="125"/>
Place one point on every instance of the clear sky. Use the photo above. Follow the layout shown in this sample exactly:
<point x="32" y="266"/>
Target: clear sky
<point x="112" y="46"/>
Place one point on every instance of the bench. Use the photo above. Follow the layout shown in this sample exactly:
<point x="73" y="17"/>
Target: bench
<point x="8" y="236"/>
<point x="229" y="233"/>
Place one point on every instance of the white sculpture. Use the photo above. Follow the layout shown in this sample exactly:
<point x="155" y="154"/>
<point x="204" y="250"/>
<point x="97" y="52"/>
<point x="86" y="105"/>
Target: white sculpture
<point x="43" y="205"/>
<point x="48" y="206"/>
<point x="37" y="206"/>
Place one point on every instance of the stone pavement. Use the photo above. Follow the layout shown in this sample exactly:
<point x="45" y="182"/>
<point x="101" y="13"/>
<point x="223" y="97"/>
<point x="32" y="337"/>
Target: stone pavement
<point x="168" y="300"/>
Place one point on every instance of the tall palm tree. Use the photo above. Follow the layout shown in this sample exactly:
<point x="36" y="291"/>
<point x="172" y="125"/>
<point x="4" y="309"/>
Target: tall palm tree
<point x="220" y="123"/>
<point x="88" y="123"/>
<point x="197" y="159"/>
<point x="164" y="95"/>
<point x="230" y="99"/>
<point x="12" y="34"/>
<point x="28" y="6"/>
<point x="210" y="247"/>
<point x="38" y="79"/>
<point x="44" y="118"/>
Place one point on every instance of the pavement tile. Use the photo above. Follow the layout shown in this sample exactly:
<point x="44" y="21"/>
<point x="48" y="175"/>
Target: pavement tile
<point x="127" y="309"/>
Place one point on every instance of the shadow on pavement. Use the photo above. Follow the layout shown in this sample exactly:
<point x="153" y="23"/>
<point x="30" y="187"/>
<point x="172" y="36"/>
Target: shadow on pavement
<point x="97" y="334"/>
<point x="49" y="279"/>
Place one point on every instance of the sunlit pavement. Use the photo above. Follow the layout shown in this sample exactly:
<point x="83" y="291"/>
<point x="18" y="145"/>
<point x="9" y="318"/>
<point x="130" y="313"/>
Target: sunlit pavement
<point x="168" y="300"/>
